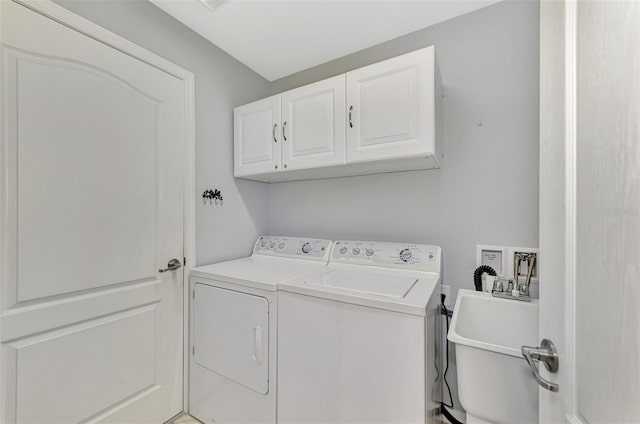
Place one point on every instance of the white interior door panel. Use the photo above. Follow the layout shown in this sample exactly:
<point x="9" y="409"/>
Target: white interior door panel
<point x="589" y="209"/>
<point x="93" y="175"/>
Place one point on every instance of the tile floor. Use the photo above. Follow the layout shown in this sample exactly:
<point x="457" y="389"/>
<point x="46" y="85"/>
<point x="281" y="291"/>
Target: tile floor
<point x="186" y="419"/>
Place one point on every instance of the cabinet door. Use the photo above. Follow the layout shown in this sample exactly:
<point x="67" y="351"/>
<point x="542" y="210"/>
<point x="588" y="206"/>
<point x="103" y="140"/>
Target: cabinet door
<point x="256" y="135"/>
<point x="313" y="127"/>
<point x="390" y="107"/>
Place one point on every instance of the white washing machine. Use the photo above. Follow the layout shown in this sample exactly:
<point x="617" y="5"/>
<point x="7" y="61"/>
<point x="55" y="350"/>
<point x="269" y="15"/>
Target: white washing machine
<point x="357" y="340"/>
<point x="233" y="328"/>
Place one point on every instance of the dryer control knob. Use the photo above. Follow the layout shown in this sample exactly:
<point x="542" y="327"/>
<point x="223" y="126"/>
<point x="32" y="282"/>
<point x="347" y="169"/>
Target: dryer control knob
<point x="263" y="243"/>
<point x="281" y="245"/>
<point x="406" y="255"/>
<point x="272" y="244"/>
<point x="369" y="252"/>
<point x="343" y="250"/>
<point x="355" y="251"/>
<point x="307" y="248"/>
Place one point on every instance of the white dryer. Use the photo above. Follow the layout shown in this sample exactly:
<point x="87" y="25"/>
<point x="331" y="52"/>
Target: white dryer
<point x="357" y="340"/>
<point x="233" y="328"/>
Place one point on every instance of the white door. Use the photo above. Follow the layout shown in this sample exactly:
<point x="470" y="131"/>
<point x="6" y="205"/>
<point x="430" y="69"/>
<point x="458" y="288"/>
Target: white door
<point x="231" y="335"/>
<point x="390" y="108"/>
<point x="92" y="150"/>
<point x="590" y="210"/>
<point x="313" y="127"/>
<point x="256" y="136"/>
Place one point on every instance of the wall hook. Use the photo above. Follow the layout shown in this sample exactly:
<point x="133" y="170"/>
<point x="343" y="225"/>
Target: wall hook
<point x="212" y="196"/>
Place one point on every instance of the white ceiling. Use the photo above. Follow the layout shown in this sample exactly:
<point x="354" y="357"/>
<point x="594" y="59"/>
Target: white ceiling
<point x="277" y="38"/>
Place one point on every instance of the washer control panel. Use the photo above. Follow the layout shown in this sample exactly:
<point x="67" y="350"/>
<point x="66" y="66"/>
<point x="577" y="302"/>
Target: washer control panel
<point x="418" y="257"/>
<point x="293" y="247"/>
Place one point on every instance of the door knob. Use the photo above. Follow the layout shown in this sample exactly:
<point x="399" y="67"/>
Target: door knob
<point x="547" y="354"/>
<point x="171" y="266"/>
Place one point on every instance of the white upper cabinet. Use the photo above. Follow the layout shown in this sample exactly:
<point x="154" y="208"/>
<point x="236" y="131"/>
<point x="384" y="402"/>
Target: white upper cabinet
<point x="313" y="125"/>
<point x="391" y="108"/>
<point x="385" y="117"/>
<point x="256" y="135"/>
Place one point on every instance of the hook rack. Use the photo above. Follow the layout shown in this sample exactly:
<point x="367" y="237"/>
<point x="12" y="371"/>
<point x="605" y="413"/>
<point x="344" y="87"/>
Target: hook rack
<point x="212" y="196"/>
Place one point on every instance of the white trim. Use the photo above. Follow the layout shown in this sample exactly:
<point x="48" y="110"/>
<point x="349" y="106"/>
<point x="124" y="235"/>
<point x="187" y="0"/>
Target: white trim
<point x="189" y="226"/>
<point x="570" y="209"/>
<point x="100" y="34"/>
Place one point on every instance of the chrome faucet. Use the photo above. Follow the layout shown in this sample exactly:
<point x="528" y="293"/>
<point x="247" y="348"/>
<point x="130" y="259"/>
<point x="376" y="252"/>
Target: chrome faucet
<point x="530" y="259"/>
<point x="517" y="259"/>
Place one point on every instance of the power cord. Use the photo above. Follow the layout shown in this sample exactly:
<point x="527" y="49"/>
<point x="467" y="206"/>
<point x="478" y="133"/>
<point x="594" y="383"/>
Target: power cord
<point x="443" y="406"/>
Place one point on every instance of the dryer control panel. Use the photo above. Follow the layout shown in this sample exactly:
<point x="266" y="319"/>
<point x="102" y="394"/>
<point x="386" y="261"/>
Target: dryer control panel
<point x="417" y="257"/>
<point x="293" y="247"/>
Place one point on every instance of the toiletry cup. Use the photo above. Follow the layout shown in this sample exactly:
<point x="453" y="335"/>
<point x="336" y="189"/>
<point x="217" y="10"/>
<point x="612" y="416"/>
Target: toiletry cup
<point x="489" y="282"/>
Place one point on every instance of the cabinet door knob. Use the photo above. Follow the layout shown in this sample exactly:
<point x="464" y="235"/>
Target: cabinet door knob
<point x="275" y="140"/>
<point x="350" y="121"/>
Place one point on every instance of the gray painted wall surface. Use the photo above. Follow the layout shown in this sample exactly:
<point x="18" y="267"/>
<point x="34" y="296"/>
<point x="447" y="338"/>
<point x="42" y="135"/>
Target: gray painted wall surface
<point x="222" y="83"/>
<point x="487" y="189"/>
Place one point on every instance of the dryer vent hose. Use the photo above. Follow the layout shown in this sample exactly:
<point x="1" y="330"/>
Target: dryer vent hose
<point x="477" y="275"/>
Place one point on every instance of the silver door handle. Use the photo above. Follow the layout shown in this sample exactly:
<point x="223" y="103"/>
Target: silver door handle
<point x="350" y="121"/>
<point x="273" y="132"/>
<point x="547" y="354"/>
<point x="284" y="128"/>
<point x="171" y="266"/>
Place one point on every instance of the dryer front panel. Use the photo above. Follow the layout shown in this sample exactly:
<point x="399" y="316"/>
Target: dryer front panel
<point x="231" y="335"/>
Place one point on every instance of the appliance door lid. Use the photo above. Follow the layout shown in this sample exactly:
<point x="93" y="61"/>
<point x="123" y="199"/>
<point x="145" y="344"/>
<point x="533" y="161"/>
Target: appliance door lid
<point x="262" y="270"/>
<point x="385" y="284"/>
<point x="231" y="335"/>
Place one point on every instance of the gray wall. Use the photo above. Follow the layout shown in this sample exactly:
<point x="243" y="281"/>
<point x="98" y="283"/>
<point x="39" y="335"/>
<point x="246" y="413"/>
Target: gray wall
<point x="487" y="190"/>
<point x="221" y="84"/>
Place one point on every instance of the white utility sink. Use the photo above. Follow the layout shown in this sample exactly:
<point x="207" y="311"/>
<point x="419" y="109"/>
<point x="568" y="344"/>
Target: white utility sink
<point x="495" y="384"/>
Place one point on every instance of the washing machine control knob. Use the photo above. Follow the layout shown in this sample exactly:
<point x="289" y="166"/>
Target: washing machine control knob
<point x="355" y="251"/>
<point x="263" y="243"/>
<point x="343" y="250"/>
<point x="369" y="252"/>
<point x="307" y="248"/>
<point x="281" y="245"/>
<point x="272" y="244"/>
<point x="406" y="255"/>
